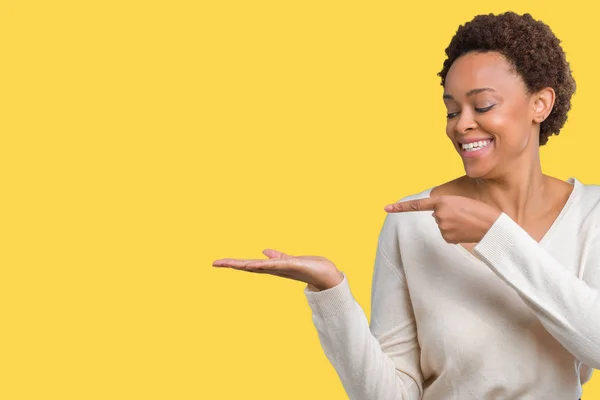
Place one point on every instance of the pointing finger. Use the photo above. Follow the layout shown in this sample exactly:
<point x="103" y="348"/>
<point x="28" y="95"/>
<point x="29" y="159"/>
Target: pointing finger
<point x="425" y="204"/>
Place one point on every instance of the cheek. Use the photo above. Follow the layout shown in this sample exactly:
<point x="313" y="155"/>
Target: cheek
<point x="507" y="128"/>
<point x="496" y="124"/>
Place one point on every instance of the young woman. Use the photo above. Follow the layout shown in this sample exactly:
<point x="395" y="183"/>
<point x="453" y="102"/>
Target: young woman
<point x="497" y="295"/>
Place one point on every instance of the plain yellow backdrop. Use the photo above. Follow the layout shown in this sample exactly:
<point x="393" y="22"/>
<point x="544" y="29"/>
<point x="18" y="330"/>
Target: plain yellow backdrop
<point x="141" y="140"/>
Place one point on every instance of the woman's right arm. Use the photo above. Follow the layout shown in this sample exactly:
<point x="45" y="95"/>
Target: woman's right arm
<point x="379" y="361"/>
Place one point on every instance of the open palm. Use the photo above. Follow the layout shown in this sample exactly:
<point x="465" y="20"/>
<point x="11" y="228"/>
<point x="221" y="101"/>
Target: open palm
<point x="316" y="271"/>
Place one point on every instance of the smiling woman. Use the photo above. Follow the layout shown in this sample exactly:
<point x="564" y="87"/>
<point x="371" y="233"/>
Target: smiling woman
<point x="530" y="52"/>
<point x="497" y="295"/>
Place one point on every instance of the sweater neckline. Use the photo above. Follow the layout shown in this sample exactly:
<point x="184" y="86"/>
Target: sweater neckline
<point x="561" y="215"/>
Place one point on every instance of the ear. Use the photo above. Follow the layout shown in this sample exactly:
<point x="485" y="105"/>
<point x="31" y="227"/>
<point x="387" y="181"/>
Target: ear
<point x="543" y="101"/>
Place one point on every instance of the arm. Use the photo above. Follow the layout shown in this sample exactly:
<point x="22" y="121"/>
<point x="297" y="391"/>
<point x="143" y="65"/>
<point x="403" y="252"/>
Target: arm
<point x="568" y="307"/>
<point x="380" y="361"/>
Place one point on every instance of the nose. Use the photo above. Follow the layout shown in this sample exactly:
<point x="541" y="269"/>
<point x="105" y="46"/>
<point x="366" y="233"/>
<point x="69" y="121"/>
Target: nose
<point x="465" y="122"/>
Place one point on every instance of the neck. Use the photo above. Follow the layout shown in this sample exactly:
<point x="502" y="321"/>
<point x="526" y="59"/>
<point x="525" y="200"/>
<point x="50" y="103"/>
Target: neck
<point x="519" y="192"/>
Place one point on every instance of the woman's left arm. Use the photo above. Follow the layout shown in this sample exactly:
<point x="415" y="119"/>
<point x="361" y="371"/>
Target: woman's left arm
<point x="568" y="307"/>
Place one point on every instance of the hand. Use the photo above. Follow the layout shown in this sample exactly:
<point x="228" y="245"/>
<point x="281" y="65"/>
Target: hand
<point x="460" y="219"/>
<point x="318" y="272"/>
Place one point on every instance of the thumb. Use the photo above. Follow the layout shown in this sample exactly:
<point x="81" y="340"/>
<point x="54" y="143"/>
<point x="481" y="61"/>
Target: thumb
<point x="275" y="254"/>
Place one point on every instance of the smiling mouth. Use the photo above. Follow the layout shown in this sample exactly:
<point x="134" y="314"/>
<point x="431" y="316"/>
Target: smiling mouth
<point x="475" y="146"/>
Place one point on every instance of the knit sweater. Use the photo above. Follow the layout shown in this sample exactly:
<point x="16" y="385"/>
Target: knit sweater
<point x="519" y="319"/>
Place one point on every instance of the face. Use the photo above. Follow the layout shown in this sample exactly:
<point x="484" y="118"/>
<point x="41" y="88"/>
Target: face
<point x="488" y="105"/>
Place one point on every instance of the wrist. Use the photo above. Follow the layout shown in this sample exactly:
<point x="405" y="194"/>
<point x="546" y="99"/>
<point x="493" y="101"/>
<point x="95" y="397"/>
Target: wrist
<point x="333" y="279"/>
<point x="490" y="219"/>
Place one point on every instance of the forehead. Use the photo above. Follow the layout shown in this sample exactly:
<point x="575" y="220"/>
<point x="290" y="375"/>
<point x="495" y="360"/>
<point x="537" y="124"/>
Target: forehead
<point x="477" y="70"/>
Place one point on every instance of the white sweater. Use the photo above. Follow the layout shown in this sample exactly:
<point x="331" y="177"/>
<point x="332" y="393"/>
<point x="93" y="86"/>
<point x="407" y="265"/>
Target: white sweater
<point x="519" y="321"/>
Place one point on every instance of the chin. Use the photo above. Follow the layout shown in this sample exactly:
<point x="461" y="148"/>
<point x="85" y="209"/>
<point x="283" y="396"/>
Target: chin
<point x="474" y="173"/>
<point x="474" y="176"/>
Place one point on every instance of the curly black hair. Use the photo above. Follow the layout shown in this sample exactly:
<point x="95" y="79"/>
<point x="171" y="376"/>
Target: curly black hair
<point x="532" y="49"/>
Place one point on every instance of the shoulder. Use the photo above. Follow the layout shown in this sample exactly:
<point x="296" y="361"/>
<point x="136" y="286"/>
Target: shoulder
<point x="415" y="222"/>
<point x="409" y="228"/>
<point x="588" y="202"/>
<point x="590" y="192"/>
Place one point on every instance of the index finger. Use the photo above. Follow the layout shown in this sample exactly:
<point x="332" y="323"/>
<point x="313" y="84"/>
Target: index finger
<point x="425" y="204"/>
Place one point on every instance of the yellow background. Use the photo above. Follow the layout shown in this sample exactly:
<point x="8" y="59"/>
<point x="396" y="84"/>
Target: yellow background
<point x="141" y="140"/>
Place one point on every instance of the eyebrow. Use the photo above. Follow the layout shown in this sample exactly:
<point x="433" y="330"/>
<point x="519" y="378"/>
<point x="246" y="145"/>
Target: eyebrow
<point x="470" y="92"/>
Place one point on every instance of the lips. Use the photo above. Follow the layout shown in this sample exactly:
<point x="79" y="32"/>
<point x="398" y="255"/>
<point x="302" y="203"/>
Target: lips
<point x="476" y="153"/>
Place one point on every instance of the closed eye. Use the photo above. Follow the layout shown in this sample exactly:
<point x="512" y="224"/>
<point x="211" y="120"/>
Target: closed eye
<point x="479" y="110"/>
<point x="482" y="110"/>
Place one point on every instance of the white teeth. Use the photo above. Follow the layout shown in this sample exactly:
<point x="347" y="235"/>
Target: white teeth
<point x="476" y="145"/>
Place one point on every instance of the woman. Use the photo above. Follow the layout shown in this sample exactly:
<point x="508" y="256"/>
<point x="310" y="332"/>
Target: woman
<point x="498" y="295"/>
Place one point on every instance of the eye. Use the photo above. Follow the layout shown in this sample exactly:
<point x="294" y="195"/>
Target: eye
<point x="479" y="110"/>
<point x="482" y="110"/>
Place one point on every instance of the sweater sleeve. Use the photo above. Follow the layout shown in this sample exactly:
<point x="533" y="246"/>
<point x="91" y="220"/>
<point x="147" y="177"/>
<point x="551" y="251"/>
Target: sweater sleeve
<point x="377" y="361"/>
<point x="567" y="306"/>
